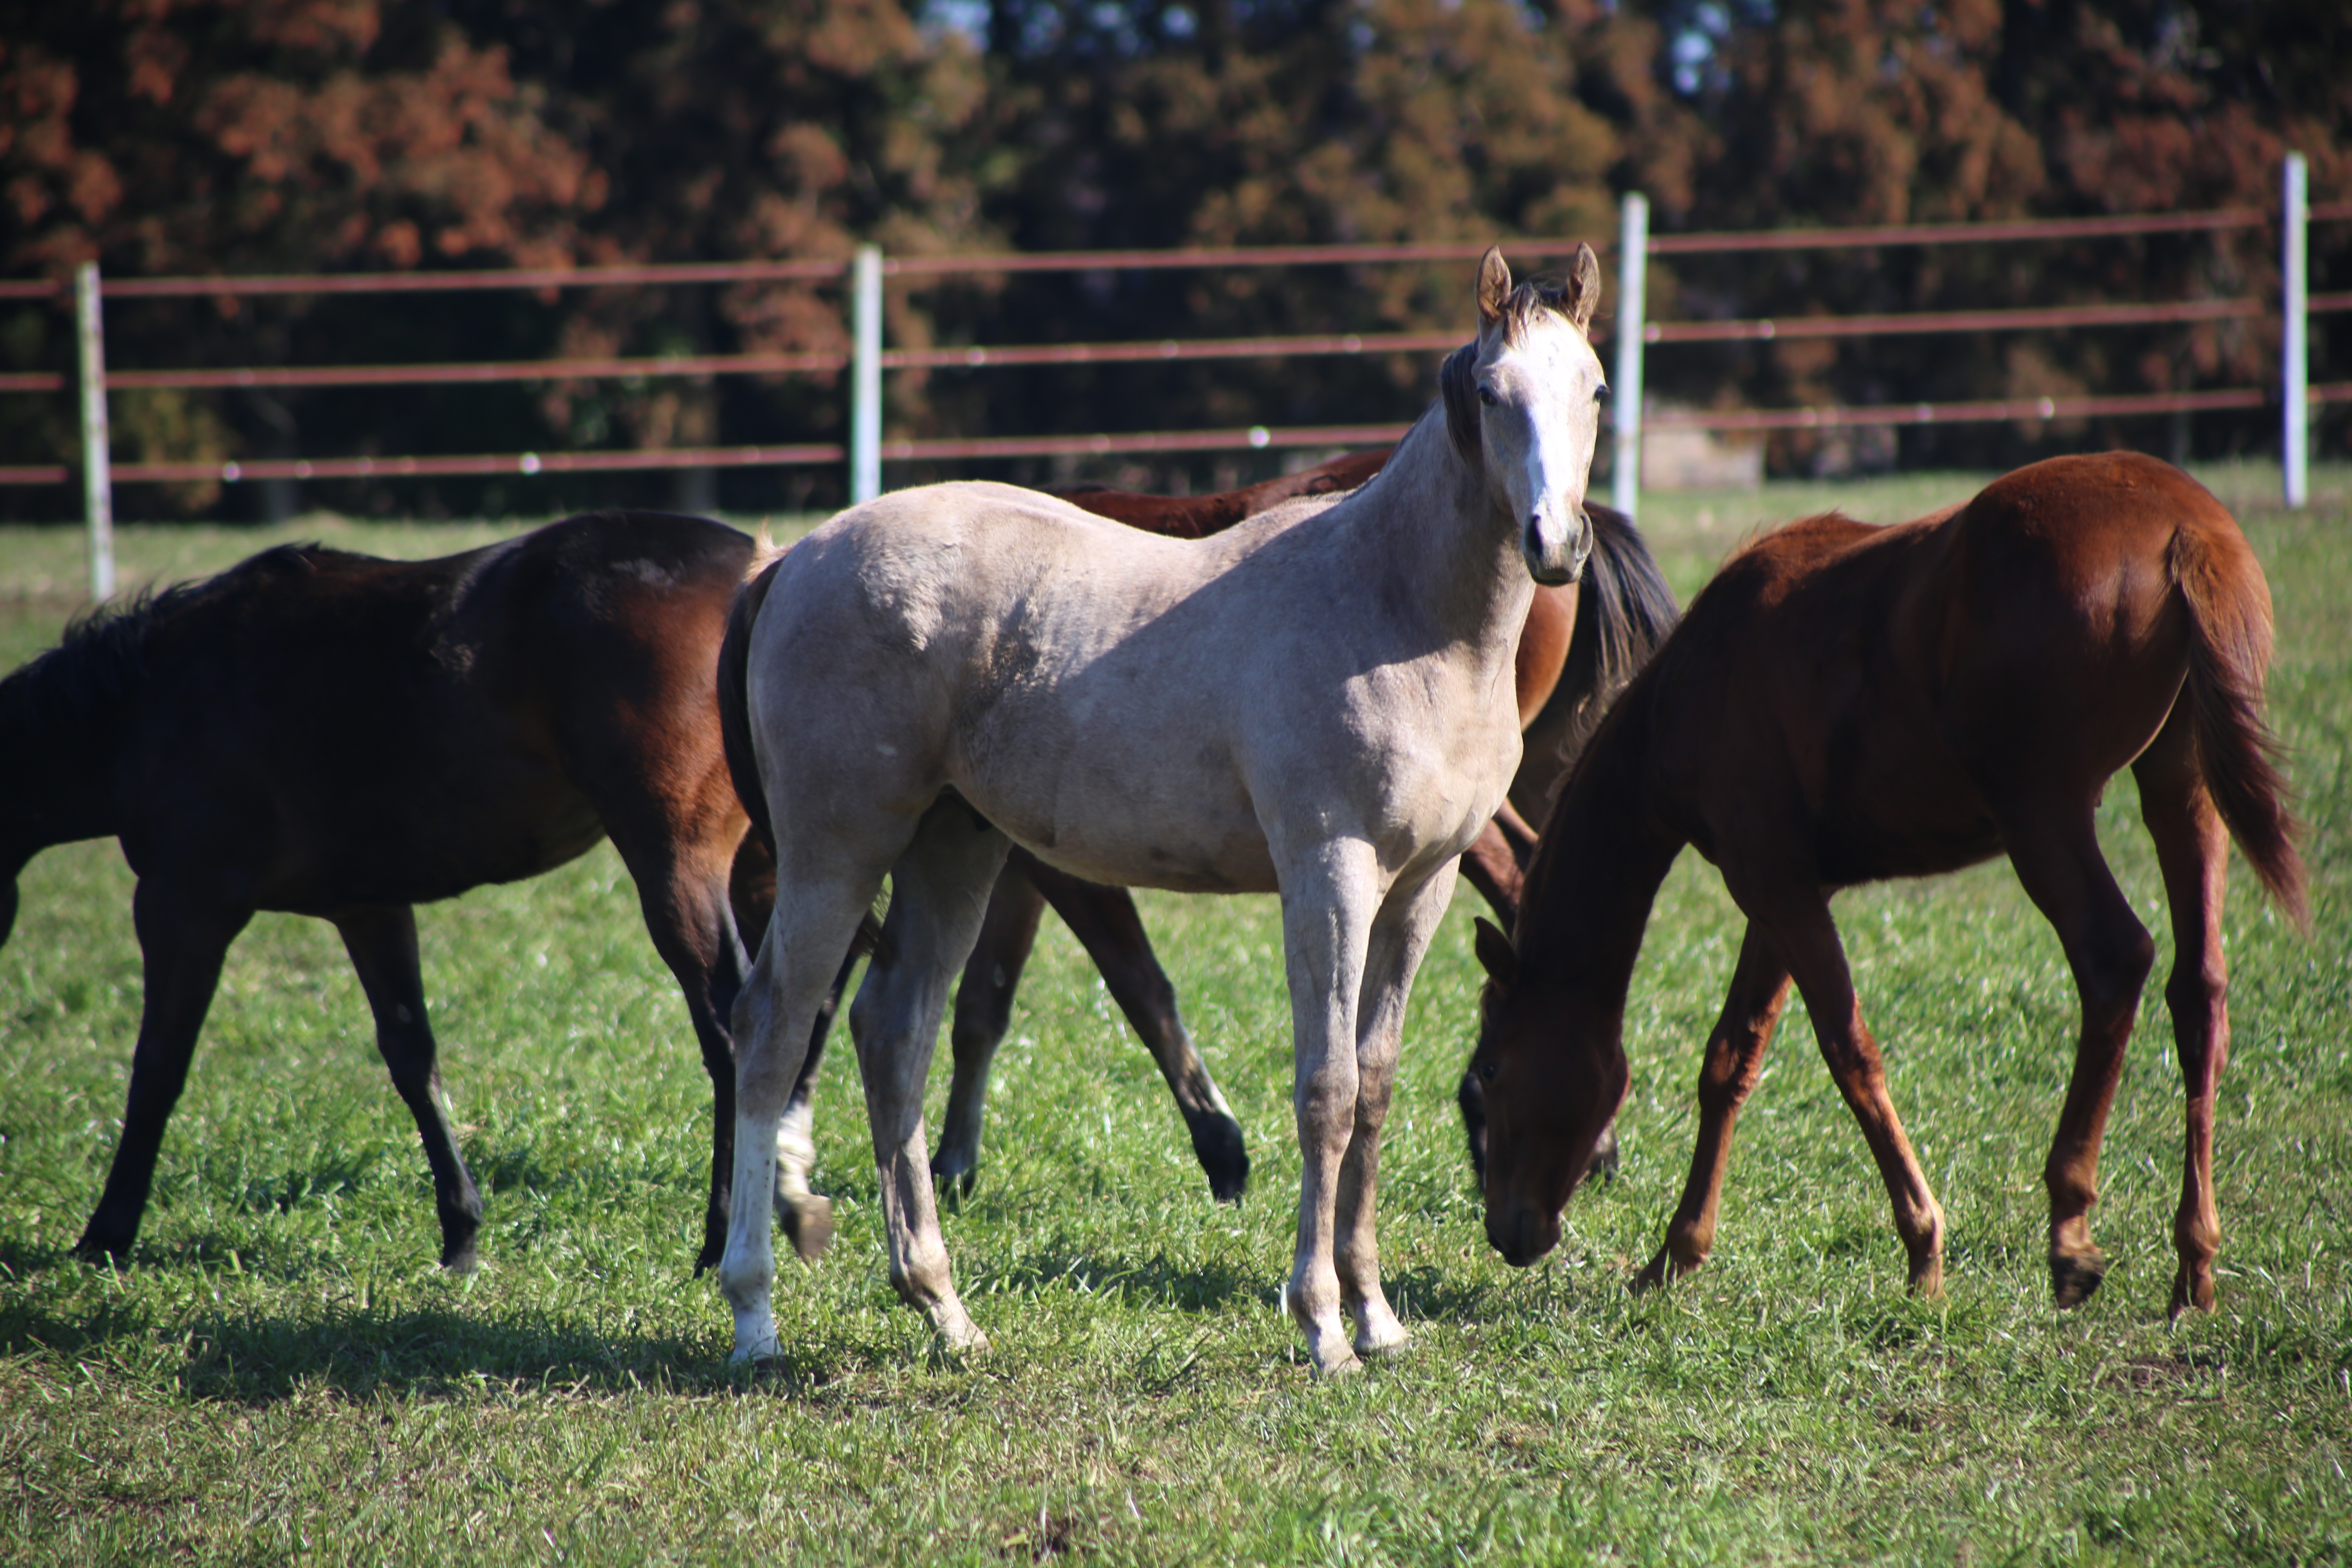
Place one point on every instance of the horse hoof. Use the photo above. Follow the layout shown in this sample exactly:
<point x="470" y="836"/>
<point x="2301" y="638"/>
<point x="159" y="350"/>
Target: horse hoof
<point x="2074" y="1277"/>
<point x="808" y="1225"/>
<point x="2187" y="1293"/>
<point x="1346" y="1364"/>
<point x="1217" y="1144"/>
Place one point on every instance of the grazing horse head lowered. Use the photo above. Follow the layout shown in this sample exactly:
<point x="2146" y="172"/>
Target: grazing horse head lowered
<point x="1845" y="704"/>
<point x="1317" y="703"/>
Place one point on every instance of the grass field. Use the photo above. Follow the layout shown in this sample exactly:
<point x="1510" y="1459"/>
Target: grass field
<point x="283" y="1374"/>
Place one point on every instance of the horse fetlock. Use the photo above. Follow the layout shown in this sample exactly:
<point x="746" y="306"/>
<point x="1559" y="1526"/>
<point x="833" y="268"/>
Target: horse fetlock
<point x="807" y="1219"/>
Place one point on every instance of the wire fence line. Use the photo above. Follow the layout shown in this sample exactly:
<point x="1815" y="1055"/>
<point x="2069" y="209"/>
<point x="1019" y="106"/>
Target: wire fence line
<point x="862" y="274"/>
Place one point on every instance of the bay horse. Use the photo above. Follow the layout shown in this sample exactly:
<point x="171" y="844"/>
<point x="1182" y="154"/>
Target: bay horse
<point x="1317" y="703"/>
<point x="1845" y="704"/>
<point x="335" y="735"/>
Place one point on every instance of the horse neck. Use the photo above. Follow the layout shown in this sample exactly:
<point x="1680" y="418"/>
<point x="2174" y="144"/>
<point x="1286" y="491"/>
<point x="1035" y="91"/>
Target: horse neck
<point x="54" y="785"/>
<point x="1597" y="871"/>
<point x="1451" y="551"/>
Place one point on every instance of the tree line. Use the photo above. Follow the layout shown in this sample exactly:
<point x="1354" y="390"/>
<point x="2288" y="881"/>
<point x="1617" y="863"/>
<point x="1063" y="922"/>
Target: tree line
<point x="180" y="136"/>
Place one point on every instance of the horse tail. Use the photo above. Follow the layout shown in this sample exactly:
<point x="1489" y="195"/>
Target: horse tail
<point x="2237" y="756"/>
<point x="735" y="697"/>
<point x="1625" y="610"/>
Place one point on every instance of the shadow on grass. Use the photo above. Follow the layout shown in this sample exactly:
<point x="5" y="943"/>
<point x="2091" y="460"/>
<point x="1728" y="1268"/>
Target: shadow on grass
<point x="262" y="1358"/>
<point x="1153" y="1281"/>
<point x="262" y="1355"/>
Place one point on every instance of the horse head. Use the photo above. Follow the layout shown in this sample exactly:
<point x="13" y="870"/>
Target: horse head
<point x="1552" y="1080"/>
<point x="1524" y="403"/>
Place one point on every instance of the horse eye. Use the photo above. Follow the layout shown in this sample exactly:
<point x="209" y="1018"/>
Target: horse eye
<point x="1486" y="1072"/>
<point x="1600" y="392"/>
<point x="1486" y="395"/>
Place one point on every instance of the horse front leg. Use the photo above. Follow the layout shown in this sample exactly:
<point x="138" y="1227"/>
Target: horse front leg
<point x="1735" y="1057"/>
<point x="939" y="896"/>
<point x="1794" y="918"/>
<point x="182" y="941"/>
<point x="1399" y="940"/>
<point x="1328" y="897"/>
<point x="382" y="941"/>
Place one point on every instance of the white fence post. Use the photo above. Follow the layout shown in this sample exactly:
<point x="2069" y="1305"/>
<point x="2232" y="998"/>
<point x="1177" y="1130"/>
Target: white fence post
<point x="1632" y="262"/>
<point x="97" y="476"/>
<point x="865" y="375"/>
<point x="2295" y="354"/>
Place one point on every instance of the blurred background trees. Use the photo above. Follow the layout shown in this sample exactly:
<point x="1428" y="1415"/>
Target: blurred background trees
<point x="176" y="136"/>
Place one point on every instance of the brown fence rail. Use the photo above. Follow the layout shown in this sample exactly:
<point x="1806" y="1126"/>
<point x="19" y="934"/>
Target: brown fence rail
<point x="866" y="359"/>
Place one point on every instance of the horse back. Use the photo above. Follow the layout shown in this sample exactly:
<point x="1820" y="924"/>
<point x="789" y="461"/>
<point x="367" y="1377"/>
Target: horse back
<point x="317" y="728"/>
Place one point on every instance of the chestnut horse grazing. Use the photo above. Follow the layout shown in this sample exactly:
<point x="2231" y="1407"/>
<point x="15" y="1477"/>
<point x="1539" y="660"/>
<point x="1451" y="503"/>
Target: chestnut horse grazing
<point x="340" y="736"/>
<point x="1317" y="703"/>
<point x="1844" y="703"/>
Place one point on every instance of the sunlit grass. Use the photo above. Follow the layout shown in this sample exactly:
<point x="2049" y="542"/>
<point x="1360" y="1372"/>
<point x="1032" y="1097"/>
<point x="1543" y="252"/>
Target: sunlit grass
<point x="283" y="1372"/>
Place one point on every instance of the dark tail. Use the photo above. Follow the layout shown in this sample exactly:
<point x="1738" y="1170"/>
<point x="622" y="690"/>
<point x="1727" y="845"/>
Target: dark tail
<point x="735" y="735"/>
<point x="734" y="698"/>
<point x="2229" y="655"/>
<point x="1623" y="611"/>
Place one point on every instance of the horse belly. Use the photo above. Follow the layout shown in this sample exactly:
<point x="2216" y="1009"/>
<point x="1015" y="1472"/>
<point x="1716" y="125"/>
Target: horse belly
<point x="1101" y="803"/>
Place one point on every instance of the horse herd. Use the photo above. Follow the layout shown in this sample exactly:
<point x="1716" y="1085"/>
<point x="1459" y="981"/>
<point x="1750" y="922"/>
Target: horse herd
<point x="1338" y="688"/>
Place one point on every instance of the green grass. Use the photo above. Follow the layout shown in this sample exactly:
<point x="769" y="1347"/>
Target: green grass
<point x="284" y="1374"/>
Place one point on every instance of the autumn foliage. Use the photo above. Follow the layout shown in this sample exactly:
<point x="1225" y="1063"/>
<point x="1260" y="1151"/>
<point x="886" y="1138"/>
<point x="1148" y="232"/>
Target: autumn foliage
<point x="189" y="136"/>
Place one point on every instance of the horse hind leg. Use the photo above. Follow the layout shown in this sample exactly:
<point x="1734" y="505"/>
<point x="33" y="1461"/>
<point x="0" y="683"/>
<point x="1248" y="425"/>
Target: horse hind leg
<point x="816" y="922"/>
<point x="382" y="941"/>
<point x="983" y="1012"/>
<point x="1105" y="923"/>
<point x="939" y="893"/>
<point x="805" y="1214"/>
<point x="2054" y="847"/>
<point x="2193" y="848"/>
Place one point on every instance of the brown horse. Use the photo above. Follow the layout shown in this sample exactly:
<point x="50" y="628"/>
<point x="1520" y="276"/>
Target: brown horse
<point x="1581" y="642"/>
<point x="1846" y="703"/>
<point x="340" y="736"/>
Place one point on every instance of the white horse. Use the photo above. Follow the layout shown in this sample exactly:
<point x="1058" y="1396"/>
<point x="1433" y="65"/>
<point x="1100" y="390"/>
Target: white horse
<point x="1317" y="703"/>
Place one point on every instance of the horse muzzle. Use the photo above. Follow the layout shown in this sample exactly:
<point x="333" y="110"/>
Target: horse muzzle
<point x="1555" y="560"/>
<point x="1521" y="1234"/>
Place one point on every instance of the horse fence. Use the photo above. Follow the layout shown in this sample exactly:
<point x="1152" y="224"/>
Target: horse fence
<point x="864" y="274"/>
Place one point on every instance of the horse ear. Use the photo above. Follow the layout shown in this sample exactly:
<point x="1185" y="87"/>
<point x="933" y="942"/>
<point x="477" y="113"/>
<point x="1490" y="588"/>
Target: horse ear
<point x="1583" y="287"/>
<point x="1495" y="955"/>
<point x="1494" y="286"/>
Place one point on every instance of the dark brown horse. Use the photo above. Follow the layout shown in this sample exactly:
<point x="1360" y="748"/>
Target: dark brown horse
<point x="340" y="736"/>
<point x="1846" y="703"/>
<point x="1581" y="644"/>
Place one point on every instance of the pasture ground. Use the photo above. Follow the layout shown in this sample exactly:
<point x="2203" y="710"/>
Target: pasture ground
<point x="283" y="1374"/>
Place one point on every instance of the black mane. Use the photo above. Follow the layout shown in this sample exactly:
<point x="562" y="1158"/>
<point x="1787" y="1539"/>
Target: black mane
<point x="101" y="662"/>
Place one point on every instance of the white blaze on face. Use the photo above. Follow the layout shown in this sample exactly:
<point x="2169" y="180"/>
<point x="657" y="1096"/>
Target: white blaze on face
<point x="1540" y="408"/>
